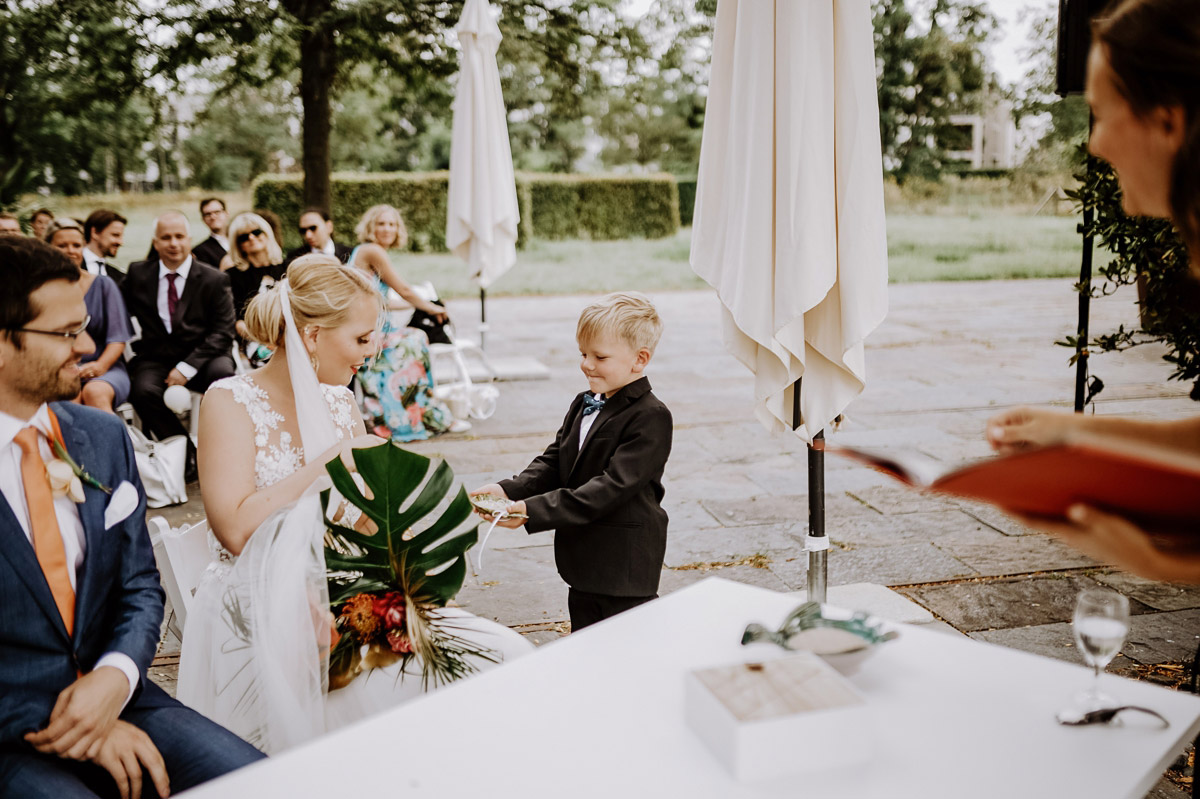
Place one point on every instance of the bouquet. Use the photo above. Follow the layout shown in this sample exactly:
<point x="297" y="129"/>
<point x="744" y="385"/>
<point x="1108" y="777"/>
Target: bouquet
<point x="387" y="588"/>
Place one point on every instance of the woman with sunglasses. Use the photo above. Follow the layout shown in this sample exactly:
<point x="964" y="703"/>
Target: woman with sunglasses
<point x="105" y="380"/>
<point x="1143" y="86"/>
<point x="254" y="264"/>
<point x="398" y="400"/>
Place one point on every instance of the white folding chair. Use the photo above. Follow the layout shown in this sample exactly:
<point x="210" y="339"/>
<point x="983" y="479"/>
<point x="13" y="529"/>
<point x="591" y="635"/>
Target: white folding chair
<point x="182" y="555"/>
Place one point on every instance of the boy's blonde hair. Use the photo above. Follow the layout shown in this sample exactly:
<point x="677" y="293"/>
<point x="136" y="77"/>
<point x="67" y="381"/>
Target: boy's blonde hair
<point x="628" y="315"/>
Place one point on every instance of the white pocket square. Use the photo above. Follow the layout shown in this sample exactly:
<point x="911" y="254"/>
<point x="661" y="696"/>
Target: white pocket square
<point x="123" y="502"/>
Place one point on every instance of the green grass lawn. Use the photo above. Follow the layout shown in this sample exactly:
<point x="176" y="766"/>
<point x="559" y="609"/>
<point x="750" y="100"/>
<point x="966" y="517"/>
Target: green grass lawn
<point x="974" y="243"/>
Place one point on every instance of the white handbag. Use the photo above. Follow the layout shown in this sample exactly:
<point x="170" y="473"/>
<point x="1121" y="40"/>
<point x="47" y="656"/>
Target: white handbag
<point x="161" y="465"/>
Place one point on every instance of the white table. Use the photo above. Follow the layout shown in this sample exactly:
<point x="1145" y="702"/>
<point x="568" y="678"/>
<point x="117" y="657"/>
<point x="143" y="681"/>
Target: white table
<point x="601" y="714"/>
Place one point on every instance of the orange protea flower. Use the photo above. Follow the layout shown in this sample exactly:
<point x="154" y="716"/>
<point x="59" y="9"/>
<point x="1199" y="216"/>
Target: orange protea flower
<point x="358" y="614"/>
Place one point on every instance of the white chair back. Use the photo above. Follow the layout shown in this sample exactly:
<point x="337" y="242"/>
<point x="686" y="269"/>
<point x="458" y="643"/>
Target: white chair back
<point x="182" y="555"/>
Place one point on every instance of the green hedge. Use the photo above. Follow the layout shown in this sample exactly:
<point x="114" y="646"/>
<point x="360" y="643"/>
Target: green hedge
<point x="551" y="206"/>
<point x="687" y="200"/>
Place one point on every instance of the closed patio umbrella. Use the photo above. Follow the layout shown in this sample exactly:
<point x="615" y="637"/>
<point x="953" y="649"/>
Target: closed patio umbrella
<point x="481" y="213"/>
<point x="789" y="221"/>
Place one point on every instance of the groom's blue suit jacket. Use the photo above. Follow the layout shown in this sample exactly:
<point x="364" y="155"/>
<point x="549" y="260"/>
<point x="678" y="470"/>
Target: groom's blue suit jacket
<point x="118" y="598"/>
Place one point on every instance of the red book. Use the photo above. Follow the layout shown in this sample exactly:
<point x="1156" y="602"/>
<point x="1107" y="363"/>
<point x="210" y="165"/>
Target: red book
<point x="1157" y="489"/>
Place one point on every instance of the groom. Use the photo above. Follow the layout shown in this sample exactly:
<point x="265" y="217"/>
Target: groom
<point x="80" y="593"/>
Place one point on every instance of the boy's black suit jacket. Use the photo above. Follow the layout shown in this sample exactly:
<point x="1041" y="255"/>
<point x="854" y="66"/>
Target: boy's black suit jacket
<point x="202" y="328"/>
<point x="605" y="503"/>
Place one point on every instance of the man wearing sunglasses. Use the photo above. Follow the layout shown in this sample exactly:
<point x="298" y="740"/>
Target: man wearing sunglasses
<point x="80" y="592"/>
<point x="185" y="310"/>
<point x="317" y="230"/>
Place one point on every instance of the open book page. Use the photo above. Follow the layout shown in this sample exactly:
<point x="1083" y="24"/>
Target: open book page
<point x="915" y="468"/>
<point x="1157" y="489"/>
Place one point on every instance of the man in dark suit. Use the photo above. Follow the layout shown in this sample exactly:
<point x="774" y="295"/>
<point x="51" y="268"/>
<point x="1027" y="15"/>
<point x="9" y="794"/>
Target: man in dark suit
<point x="185" y="311"/>
<point x="104" y="232"/>
<point x="81" y="595"/>
<point x="317" y="229"/>
<point x="599" y="485"/>
<point x="216" y="218"/>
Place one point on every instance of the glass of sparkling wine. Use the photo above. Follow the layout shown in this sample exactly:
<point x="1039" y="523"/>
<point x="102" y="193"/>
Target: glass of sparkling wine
<point x="1101" y="623"/>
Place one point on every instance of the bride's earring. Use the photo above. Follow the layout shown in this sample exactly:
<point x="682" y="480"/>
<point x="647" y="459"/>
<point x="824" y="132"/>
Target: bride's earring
<point x="315" y="361"/>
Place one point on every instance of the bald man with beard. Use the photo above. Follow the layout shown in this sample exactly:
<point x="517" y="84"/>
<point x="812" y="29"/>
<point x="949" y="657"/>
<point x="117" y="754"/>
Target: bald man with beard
<point x="185" y="310"/>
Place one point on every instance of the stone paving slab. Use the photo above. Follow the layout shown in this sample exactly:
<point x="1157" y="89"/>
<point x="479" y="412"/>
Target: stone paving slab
<point x="1153" y="638"/>
<point x="893" y="499"/>
<point x="903" y="564"/>
<point x="1013" y="555"/>
<point x="776" y="541"/>
<point x="1048" y="640"/>
<point x="875" y="599"/>
<point x="1160" y="596"/>
<point x="1018" y="602"/>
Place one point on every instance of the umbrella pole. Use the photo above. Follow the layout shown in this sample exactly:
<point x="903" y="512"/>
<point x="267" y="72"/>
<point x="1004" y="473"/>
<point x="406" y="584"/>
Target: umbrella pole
<point x="482" y="317"/>
<point x="1085" y="295"/>
<point x="816" y="542"/>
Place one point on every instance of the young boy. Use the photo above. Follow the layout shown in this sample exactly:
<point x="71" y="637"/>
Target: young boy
<point x="599" y="485"/>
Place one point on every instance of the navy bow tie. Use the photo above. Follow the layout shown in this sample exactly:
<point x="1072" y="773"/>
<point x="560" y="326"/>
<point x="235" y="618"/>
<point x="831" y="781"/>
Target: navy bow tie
<point x="591" y="404"/>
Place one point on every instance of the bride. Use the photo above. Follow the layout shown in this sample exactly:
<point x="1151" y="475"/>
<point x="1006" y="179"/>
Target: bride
<point x="255" y="654"/>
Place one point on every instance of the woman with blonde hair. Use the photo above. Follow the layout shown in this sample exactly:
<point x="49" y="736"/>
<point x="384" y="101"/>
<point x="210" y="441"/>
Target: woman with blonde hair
<point x="105" y="379"/>
<point x="398" y="384"/>
<point x="254" y="264"/>
<point x="255" y="657"/>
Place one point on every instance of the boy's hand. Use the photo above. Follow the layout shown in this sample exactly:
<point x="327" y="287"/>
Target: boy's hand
<point x="511" y="523"/>
<point x="491" y="488"/>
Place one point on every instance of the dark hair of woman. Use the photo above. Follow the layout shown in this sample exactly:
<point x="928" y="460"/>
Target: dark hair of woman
<point x="1153" y="47"/>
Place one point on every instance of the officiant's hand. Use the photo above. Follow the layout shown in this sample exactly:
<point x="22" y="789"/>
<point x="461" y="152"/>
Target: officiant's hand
<point x="124" y="753"/>
<point x="84" y="713"/>
<point x="1022" y="428"/>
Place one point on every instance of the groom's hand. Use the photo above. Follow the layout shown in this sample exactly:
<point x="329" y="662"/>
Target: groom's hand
<point x="124" y="753"/>
<point x="84" y="713"/>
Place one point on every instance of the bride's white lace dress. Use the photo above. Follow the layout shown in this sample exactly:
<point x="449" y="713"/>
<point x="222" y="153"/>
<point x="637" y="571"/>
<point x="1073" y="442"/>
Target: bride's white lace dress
<point x="229" y="674"/>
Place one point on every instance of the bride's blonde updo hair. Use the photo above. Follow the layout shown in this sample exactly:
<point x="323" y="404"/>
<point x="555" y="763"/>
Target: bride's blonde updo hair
<point x="321" y="291"/>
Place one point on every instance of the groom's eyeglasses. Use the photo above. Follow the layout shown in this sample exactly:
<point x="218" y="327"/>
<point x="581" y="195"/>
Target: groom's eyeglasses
<point x="69" y="335"/>
<point x="309" y="229"/>
<point x="245" y="237"/>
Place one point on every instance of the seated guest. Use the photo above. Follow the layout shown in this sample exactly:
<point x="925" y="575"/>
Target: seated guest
<point x="212" y="250"/>
<point x="398" y="398"/>
<point x="79" y="716"/>
<point x="185" y="311"/>
<point x="105" y="381"/>
<point x="254" y="264"/>
<point x="9" y="224"/>
<point x="41" y="218"/>
<point x="317" y="229"/>
<point x="103" y="232"/>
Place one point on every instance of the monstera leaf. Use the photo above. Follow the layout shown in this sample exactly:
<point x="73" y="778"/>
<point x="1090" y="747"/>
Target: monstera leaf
<point x="415" y="550"/>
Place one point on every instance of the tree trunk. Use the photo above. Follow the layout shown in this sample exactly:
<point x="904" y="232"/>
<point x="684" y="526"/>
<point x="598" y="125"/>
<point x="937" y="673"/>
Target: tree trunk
<point x="318" y="65"/>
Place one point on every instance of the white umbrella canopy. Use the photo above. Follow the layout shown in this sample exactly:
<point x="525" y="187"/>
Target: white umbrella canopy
<point x="789" y="222"/>
<point x="481" y="213"/>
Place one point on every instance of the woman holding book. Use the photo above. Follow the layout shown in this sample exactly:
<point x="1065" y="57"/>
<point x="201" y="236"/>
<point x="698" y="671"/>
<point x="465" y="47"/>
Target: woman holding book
<point x="1143" y="86"/>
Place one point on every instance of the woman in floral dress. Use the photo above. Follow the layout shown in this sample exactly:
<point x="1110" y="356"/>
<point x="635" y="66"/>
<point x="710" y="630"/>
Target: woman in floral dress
<point x="398" y="398"/>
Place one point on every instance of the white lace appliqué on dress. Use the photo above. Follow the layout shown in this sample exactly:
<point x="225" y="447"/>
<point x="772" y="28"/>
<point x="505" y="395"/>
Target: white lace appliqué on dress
<point x="275" y="455"/>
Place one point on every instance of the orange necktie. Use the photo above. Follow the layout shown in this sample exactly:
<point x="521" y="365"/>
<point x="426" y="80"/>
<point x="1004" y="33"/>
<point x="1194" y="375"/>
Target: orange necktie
<point x="47" y="539"/>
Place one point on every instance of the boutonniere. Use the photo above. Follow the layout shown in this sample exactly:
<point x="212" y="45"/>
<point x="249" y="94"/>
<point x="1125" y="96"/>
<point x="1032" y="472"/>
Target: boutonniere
<point x="66" y="476"/>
